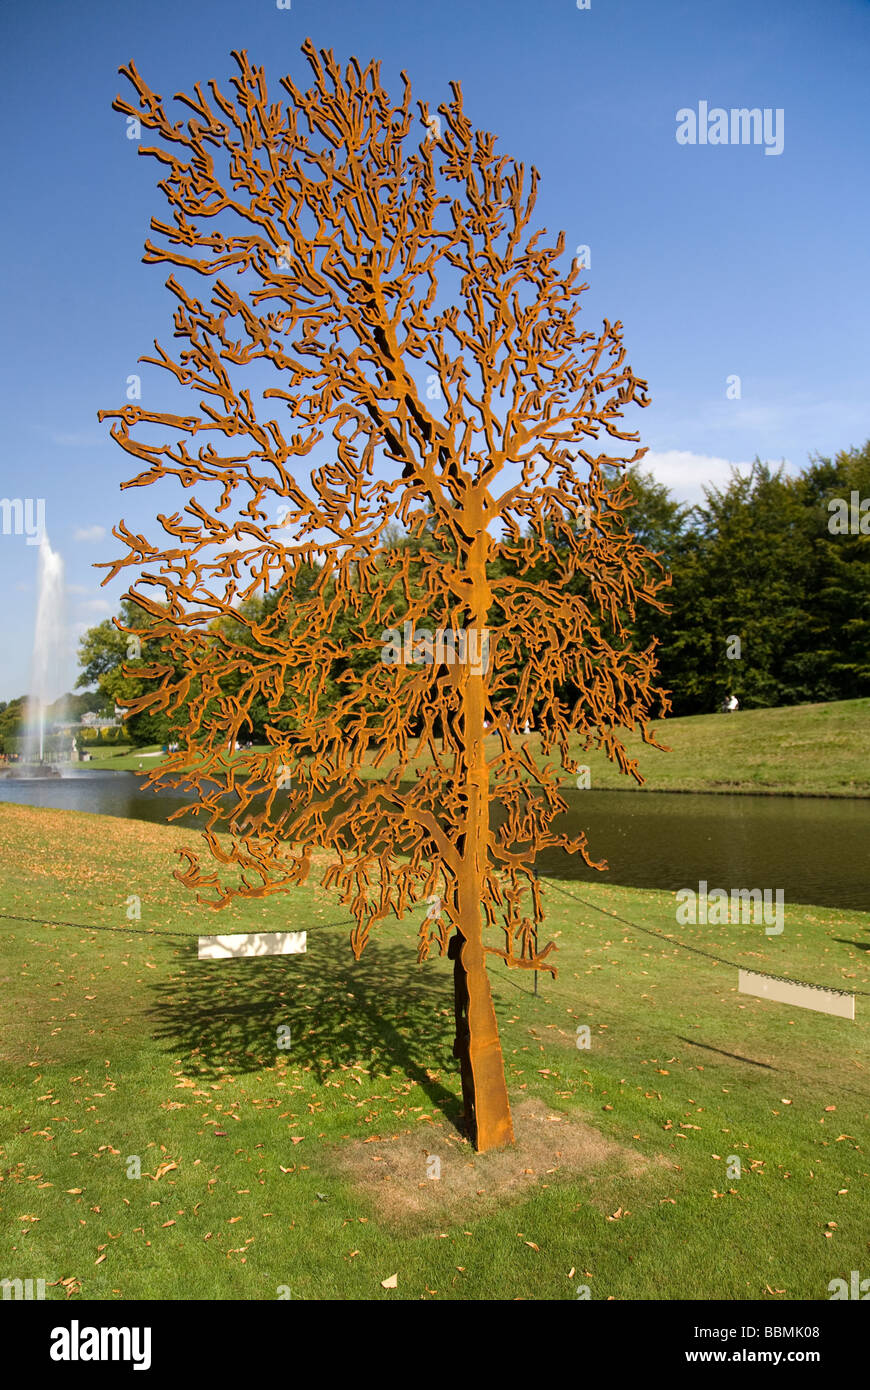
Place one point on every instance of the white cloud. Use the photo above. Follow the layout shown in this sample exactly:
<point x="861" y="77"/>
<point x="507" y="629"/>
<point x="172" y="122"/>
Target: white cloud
<point x="76" y="589"/>
<point x="97" y="605"/>
<point x="90" y="533"/>
<point x="686" y="473"/>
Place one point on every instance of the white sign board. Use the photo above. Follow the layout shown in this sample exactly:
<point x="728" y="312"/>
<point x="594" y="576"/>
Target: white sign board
<point x="824" y="1001"/>
<point x="264" y="943"/>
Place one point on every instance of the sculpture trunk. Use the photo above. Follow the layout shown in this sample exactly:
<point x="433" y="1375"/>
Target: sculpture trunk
<point x="477" y="1046"/>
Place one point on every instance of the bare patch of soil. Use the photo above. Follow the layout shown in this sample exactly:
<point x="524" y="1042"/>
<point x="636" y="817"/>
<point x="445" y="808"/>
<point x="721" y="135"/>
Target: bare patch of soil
<point x="391" y="1171"/>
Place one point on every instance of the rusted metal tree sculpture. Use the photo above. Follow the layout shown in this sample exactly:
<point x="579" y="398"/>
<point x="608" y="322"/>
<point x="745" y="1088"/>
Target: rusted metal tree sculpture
<point x="424" y="357"/>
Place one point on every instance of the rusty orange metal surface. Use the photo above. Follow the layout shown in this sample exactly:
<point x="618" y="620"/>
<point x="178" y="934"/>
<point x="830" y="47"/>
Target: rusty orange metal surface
<point x="394" y="404"/>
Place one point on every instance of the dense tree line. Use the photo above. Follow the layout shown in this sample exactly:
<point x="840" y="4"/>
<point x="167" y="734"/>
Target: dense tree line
<point x="68" y="708"/>
<point x="769" y="600"/>
<point x="770" y="596"/>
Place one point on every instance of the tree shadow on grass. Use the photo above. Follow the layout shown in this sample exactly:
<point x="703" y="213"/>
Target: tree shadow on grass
<point x="737" y="1056"/>
<point x="385" y="1012"/>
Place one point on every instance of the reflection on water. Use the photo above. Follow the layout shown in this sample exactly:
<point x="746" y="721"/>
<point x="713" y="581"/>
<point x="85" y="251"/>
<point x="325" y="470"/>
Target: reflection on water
<point x="815" y="850"/>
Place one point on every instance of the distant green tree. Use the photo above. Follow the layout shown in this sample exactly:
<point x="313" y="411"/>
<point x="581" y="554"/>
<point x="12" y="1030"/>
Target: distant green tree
<point x="105" y="652"/>
<point x="69" y="708"/>
<point x="839" y="605"/>
<point x="656" y="518"/>
<point x="739" y="623"/>
<point x="12" y="723"/>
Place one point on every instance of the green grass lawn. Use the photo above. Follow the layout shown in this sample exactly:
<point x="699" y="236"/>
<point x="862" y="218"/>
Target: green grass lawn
<point x="799" y="750"/>
<point x="305" y="1169"/>
<point x="110" y="755"/>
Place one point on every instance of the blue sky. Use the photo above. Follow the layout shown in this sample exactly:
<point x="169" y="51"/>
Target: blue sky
<point x="720" y="260"/>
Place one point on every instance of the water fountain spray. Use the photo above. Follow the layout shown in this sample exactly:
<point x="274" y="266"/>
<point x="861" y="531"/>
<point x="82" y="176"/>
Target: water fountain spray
<point x="48" y="648"/>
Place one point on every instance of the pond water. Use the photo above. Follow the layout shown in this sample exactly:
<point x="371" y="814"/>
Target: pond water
<point x="815" y="850"/>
